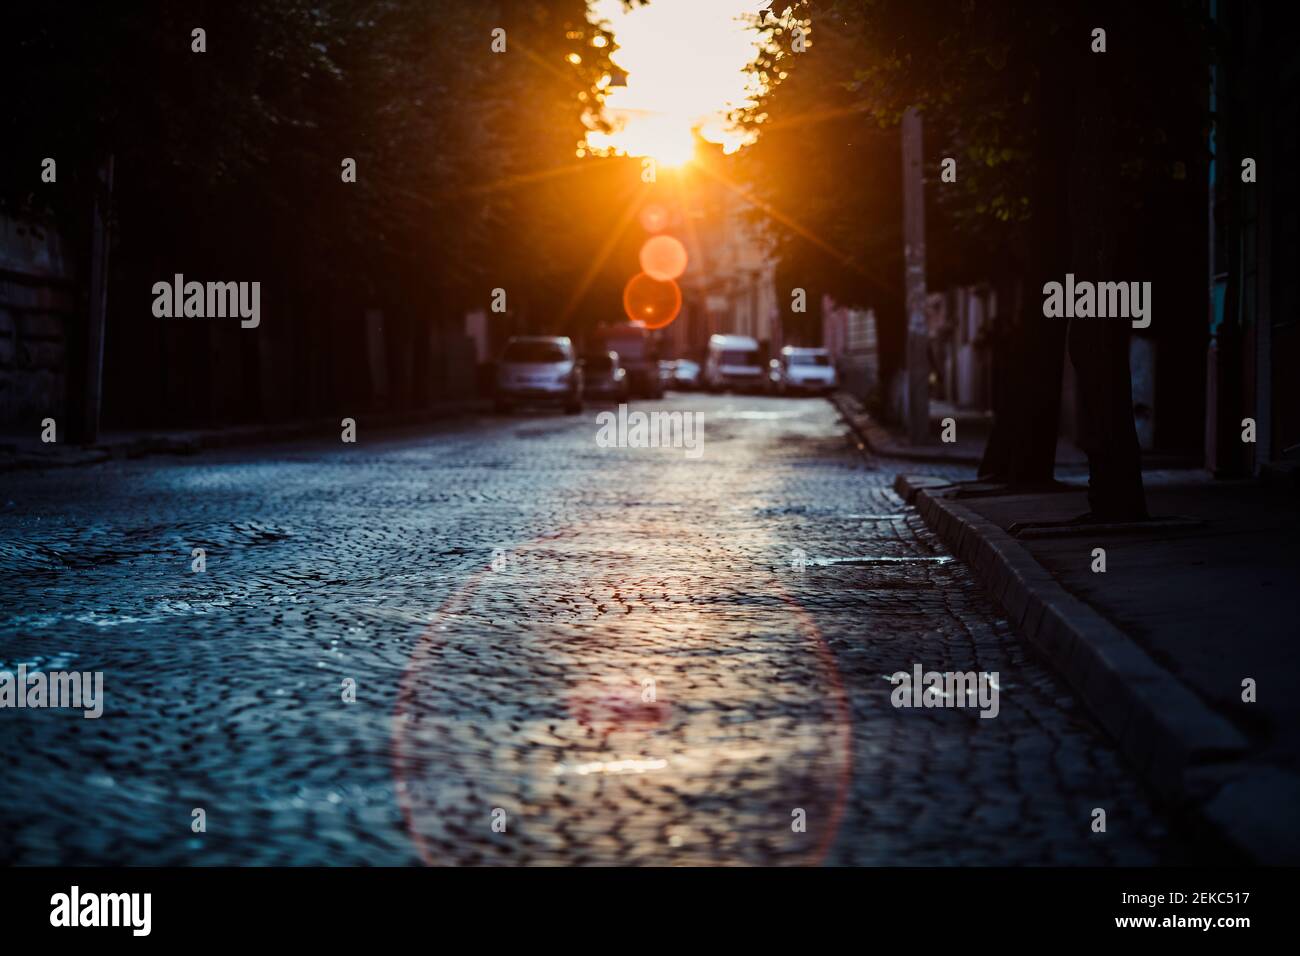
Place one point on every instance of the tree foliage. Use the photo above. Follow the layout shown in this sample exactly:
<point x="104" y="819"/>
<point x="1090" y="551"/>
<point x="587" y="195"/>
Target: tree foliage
<point x="232" y="157"/>
<point x="981" y="73"/>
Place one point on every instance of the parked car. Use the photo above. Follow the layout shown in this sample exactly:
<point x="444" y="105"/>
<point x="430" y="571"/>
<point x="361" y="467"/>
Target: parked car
<point x="667" y="368"/>
<point x="686" y="374"/>
<point x="539" y="368"/>
<point x="604" y="377"/>
<point x="804" y="370"/>
<point x="638" y="354"/>
<point x="733" y="362"/>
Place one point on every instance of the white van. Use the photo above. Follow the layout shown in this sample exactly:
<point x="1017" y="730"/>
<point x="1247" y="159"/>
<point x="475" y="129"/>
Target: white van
<point x="804" y="370"/>
<point x="733" y="362"/>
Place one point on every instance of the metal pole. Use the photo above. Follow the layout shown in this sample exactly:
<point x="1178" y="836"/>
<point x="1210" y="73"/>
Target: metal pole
<point x="918" y="353"/>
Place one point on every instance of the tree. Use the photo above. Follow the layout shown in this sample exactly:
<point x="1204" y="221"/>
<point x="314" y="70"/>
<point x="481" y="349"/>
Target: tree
<point x="1057" y="148"/>
<point x="230" y="159"/>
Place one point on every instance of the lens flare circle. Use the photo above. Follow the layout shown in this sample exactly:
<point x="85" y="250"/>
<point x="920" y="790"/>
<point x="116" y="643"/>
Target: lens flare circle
<point x="654" y="218"/>
<point x="433" y="764"/>
<point x="663" y="258"/>
<point x="652" y="303"/>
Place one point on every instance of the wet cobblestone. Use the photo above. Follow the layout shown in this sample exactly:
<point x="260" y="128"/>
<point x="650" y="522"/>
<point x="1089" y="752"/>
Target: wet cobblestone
<point x="614" y="651"/>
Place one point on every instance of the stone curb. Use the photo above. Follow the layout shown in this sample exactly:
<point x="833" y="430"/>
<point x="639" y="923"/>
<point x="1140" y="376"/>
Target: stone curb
<point x="1186" y="752"/>
<point x="882" y="444"/>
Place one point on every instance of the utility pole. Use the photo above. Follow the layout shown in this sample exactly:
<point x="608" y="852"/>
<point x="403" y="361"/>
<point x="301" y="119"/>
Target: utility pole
<point x="917" y="393"/>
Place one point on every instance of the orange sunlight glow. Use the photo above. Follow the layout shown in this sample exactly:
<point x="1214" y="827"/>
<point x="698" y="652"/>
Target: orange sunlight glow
<point x="687" y="65"/>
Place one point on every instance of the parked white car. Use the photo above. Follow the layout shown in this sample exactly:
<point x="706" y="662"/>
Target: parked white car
<point x="804" y="370"/>
<point x="539" y="368"/>
<point x="733" y="362"/>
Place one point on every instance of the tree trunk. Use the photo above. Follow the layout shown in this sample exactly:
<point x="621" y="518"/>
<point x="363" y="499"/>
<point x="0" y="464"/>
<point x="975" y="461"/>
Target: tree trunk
<point x="87" y="408"/>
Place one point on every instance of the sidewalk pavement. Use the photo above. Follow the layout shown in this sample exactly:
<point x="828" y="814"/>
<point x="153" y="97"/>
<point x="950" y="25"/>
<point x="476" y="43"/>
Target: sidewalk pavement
<point x="28" y="451"/>
<point x="1190" y="605"/>
<point x="972" y="430"/>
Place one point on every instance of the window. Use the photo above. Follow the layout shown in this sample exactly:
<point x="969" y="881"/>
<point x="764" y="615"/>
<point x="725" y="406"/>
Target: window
<point x="535" y="353"/>
<point x="627" y="347"/>
<point x="738" y="357"/>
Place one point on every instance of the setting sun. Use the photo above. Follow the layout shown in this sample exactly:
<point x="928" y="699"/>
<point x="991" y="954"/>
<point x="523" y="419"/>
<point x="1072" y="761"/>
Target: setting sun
<point x="687" y="67"/>
<point x="668" y="139"/>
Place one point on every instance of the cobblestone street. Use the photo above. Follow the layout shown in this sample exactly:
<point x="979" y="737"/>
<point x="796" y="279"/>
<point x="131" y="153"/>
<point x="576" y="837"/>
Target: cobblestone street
<point x="612" y="654"/>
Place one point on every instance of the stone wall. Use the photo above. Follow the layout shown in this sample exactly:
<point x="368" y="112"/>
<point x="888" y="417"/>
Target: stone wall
<point x="37" y="315"/>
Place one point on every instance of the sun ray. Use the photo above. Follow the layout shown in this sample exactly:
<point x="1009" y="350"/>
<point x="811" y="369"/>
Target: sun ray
<point x="528" y="179"/>
<point x="808" y="119"/>
<point x="680" y="194"/>
<point x="785" y="220"/>
<point x="628" y="214"/>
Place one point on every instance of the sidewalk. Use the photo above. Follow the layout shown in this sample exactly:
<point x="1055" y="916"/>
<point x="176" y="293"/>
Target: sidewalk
<point x="1190" y="605"/>
<point x="28" y="451"/>
<point x="972" y="430"/>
